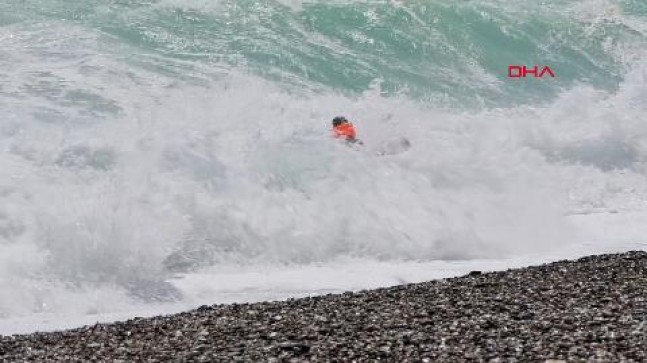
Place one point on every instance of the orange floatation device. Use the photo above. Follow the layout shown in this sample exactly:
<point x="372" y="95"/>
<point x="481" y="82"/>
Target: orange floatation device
<point x="343" y="129"/>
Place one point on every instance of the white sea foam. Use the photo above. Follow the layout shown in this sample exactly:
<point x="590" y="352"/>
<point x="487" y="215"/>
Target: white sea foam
<point x="125" y="189"/>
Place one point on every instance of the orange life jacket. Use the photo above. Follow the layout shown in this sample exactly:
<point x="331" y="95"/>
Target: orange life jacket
<point x="345" y="130"/>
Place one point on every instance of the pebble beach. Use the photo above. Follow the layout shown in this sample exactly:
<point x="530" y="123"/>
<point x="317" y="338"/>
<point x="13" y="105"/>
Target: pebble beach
<point x="590" y="309"/>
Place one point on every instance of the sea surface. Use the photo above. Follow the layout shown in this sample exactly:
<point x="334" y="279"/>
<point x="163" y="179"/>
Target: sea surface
<point x="157" y="155"/>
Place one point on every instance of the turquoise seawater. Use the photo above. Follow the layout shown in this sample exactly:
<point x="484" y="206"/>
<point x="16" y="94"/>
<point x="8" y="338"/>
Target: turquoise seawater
<point x="455" y="53"/>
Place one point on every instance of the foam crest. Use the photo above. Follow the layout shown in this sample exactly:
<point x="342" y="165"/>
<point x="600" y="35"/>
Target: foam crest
<point x="120" y="172"/>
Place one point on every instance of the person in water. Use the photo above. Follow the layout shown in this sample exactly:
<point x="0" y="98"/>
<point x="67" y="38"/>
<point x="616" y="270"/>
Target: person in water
<point x="343" y="129"/>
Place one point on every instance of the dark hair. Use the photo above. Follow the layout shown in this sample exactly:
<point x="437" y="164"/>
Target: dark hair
<point x="338" y="120"/>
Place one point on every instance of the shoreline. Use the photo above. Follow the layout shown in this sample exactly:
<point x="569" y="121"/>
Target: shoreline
<point x="592" y="308"/>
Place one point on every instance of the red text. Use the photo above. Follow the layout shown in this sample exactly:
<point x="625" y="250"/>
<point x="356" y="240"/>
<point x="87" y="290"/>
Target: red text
<point x="515" y="71"/>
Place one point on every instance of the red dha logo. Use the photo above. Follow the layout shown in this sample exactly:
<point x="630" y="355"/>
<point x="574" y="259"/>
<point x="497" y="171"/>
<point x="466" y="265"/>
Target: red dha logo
<point x="515" y="71"/>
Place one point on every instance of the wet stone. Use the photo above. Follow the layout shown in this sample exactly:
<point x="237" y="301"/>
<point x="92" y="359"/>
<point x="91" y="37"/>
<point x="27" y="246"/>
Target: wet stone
<point x="591" y="309"/>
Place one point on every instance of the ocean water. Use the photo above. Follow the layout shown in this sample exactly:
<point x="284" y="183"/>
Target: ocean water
<point x="162" y="154"/>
